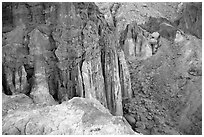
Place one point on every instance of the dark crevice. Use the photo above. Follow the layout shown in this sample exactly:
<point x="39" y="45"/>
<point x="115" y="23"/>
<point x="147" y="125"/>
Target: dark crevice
<point x="80" y="68"/>
<point x="4" y="82"/>
<point x="103" y="62"/>
<point x="121" y="77"/>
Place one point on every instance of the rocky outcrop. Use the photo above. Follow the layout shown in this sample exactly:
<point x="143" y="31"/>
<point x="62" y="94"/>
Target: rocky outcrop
<point x="77" y="116"/>
<point x="84" y="53"/>
<point x="171" y="77"/>
<point x="190" y="19"/>
<point x="134" y="12"/>
<point x="111" y="75"/>
<point x="70" y="50"/>
<point x="124" y="76"/>
<point x="15" y="102"/>
<point x="138" y="43"/>
<point x="155" y="107"/>
<point x="164" y="27"/>
<point x="105" y="8"/>
<point x="39" y="47"/>
<point x="115" y="52"/>
<point x="14" y="57"/>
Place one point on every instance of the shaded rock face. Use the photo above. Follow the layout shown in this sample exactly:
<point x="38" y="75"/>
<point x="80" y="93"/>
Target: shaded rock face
<point x="78" y="116"/>
<point x="57" y="51"/>
<point x="163" y="26"/>
<point x="190" y="19"/>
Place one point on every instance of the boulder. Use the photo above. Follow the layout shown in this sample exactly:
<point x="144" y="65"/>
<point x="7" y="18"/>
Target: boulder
<point x="14" y="102"/>
<point x="78" y="116"/>
<point x="155" y="35"/>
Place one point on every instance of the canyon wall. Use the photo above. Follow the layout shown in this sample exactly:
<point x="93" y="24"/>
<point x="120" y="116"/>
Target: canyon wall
<point x="53" y="52"/>
<point x="139" y="60"/>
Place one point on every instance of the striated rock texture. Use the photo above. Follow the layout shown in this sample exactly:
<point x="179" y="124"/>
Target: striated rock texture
<point x="164" y="60"/>
<point x="65" y="50"/>
<point x="139" y="60"/>
<point x="14" y="55"/>
<point x="78" y="116"/>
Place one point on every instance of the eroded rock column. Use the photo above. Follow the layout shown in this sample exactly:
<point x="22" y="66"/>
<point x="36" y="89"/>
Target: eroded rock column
<point x="124" y="76"/>
<point x="40" y="90"/>
<point x="112" y="79"/>
<point x="91" y="67"/>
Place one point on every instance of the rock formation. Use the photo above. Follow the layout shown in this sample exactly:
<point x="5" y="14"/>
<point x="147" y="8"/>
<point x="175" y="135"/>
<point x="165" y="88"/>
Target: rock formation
<point x="77" y="116"/>
<point x="139" y="60"/>
<point x="171" y="64"/>
<point x="69" y="50"/>
<point x="15" y="102"/>
<point x="190" y="19"/>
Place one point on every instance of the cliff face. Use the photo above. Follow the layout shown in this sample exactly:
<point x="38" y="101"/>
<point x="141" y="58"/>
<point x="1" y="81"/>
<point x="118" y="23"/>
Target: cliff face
<point x="140" y="60"/>
<point x="57" y="51"/>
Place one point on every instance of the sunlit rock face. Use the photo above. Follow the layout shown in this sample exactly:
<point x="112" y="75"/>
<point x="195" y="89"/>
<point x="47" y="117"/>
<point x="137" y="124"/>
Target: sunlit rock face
<point x="78" y="116"/>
